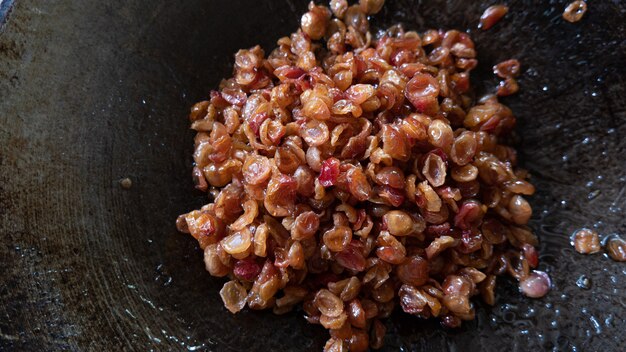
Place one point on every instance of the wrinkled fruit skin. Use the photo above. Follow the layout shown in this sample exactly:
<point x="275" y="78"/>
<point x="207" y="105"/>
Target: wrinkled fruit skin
<point x="349" y="174"/>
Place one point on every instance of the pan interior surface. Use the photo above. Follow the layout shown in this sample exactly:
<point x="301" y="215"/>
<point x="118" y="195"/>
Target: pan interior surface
<point x="94" y="92"/>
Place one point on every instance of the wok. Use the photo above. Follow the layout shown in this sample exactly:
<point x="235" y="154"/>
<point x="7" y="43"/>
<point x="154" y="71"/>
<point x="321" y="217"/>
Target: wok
<point x="95" y="91"/>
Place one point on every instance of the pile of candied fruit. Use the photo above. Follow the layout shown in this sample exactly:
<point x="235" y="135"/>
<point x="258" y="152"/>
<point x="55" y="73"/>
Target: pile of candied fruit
<point x="350" y="174"/>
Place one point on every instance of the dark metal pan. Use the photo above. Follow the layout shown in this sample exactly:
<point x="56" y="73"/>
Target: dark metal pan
<point x="95" y="91"/>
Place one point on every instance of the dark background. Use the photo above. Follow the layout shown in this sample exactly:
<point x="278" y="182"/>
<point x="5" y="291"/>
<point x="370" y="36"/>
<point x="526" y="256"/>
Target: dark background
<point x="95" y="91"/>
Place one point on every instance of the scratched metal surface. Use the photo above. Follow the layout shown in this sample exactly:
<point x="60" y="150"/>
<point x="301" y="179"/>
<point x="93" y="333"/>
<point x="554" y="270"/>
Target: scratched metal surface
<point x="92" y="92"/>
